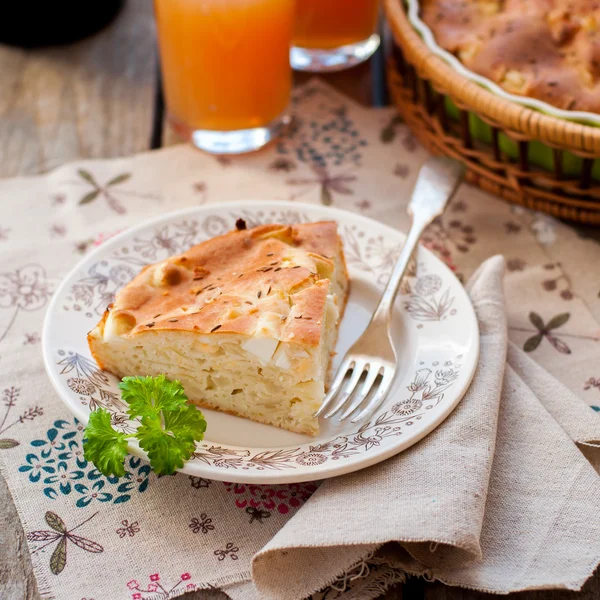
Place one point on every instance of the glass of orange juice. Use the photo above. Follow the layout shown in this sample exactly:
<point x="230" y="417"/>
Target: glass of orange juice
<point x="331" y="35"/>
<point x="226" y="70"/>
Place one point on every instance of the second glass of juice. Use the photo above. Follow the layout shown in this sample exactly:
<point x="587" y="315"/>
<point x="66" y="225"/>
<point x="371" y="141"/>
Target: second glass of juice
<point x="331" y="35"/>
<point x="226" y="72"/>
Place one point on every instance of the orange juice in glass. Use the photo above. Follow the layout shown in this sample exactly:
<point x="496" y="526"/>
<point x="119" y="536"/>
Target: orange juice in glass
<point x="226" y="72"/>
<point x="331" y="35"/>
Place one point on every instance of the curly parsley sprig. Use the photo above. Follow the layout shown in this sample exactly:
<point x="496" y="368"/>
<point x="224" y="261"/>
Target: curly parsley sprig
<point x="169" y="427"/>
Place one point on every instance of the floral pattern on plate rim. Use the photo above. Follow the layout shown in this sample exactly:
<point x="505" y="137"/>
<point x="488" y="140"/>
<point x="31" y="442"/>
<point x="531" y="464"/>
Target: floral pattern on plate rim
<point x="428" y="298"/>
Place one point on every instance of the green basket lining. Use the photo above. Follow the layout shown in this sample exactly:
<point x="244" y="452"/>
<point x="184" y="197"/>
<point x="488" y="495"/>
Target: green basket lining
<point x="537" y="152"/>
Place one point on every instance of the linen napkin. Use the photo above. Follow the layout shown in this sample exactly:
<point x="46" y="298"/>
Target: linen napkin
<point x="498" y="498"/>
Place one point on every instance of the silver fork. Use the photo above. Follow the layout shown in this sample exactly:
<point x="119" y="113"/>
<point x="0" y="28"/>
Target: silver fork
<point x="373" y="354"/>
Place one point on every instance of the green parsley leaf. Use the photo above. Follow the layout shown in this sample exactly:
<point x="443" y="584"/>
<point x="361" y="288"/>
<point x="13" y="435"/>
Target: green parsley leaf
<point x="150" y="395"/>
<point x="166" y="448"/>
<point x="189" y="420"/>
<point x="103" y="445"/>
<point x="169" y="429"/>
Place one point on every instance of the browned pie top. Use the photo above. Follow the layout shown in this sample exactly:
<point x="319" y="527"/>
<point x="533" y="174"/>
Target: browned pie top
<point x="545" y="49"/>
<point x="271" y="280"/>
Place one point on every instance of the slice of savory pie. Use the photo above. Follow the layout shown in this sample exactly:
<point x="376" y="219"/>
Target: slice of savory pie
<point x="247" y="321"/>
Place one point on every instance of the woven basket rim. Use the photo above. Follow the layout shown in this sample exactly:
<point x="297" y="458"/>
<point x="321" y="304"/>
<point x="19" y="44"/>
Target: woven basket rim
<point x="546" y="128"/>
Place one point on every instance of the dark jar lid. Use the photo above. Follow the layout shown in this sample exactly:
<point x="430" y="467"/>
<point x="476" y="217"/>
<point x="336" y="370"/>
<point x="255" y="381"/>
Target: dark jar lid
<point x="34" y="23"/>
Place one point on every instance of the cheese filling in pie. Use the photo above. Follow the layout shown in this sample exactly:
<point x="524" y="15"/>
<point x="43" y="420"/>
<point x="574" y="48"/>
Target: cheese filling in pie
<point x="246" y="321"/>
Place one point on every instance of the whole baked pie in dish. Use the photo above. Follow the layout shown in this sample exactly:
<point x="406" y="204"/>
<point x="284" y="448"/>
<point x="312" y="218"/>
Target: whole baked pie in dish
<point x="246" y="321"/>
<point x="543" y="49"/>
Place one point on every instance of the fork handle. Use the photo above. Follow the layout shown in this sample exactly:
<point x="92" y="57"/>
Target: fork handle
<point x="438" y="179"/>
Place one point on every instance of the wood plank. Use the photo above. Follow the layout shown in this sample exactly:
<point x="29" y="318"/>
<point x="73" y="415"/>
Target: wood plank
<point x="16" y="577"/>
<point x="91" y="99"/>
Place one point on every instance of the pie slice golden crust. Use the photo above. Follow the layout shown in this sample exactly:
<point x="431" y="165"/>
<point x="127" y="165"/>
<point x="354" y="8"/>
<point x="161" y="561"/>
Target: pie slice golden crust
<point x="247" y="321"/>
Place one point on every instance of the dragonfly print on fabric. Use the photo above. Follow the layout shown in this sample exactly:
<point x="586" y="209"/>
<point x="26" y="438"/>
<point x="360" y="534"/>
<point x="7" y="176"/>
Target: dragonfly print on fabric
<point x="10" y="397"/>
<point x="25" y="289"/>
<point x="111" y="191"/>
<point x="331" y="145"/>
<point x="548" y="332"/>
<point x="58" y="532"/>
<point x="329" y="183"/>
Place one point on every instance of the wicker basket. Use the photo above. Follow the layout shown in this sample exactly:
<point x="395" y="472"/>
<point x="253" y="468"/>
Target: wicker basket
<point x="497" y="139"/>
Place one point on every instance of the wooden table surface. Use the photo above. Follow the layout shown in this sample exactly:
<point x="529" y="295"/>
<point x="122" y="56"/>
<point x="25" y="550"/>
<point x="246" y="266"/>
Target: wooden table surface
<point x="97" y="99"/>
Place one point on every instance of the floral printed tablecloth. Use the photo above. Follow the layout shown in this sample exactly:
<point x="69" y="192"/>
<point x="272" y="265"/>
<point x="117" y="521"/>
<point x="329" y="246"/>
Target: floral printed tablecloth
<point x="141" y="537"/>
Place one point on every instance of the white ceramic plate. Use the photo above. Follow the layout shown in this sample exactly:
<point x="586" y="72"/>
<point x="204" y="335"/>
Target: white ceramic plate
<point x="435" y="331"/>
<point x="578" y="116"/>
